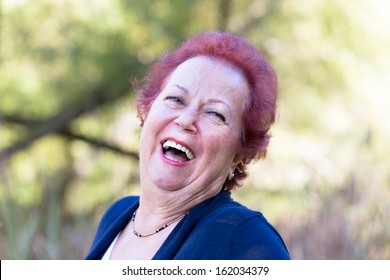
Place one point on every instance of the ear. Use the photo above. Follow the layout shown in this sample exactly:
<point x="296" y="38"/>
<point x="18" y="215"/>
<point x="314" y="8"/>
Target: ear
<point x="142" y="121"/>
<point x="142" y="118"/>
<point x="237" y="160"/>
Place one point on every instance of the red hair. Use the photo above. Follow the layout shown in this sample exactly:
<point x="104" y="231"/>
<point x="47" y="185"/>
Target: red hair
<point x="257" y="117"/>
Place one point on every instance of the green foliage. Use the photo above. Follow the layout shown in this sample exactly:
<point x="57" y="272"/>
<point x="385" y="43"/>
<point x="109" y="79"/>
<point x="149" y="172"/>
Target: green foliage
<point x="69" y="131"/>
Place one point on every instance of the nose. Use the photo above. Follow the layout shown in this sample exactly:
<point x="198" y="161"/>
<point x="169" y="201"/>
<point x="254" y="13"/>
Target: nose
<point x="187" y="121"/>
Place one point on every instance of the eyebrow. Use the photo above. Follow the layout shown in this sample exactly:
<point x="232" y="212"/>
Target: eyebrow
<point x="215" y="100"/>
<point x="186" y="91"/>
<point x="211" y="100"/>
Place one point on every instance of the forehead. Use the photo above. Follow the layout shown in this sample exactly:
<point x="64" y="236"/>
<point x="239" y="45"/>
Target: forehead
<point x="202" y="71"/>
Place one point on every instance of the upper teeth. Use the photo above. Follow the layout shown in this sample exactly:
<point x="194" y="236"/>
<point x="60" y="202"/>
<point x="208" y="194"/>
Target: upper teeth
<point x="173" y="144"/>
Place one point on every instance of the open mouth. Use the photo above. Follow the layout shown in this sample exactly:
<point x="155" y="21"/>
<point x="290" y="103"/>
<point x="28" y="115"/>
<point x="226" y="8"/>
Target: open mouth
<point x="176" y="152"/>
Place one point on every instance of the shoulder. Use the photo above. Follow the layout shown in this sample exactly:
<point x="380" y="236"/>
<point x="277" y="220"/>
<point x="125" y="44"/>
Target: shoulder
<point x="248" y="233"/>
<point x="115" y="211"/>
<point x="228" y="211"/>
<point x="256" y="238"/>
<point x="117" y="207"/>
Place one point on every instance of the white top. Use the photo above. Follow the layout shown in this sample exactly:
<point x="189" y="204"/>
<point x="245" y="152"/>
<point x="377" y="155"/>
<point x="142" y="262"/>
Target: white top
<point x="107" y="255"/>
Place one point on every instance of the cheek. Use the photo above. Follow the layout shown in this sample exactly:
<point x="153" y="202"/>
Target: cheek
<point x="149" y="133"/>
<point x="157" y="112"/>
<point x="152" y="119"/>
<point x="145" y="145"/>
<point x="222" y="146"/>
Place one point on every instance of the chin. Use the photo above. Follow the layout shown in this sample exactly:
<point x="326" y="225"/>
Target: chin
<point x="167" y="184"/>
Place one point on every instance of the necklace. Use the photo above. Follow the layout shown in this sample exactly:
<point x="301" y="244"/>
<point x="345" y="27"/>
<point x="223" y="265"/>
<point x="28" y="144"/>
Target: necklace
<point x="136" y="233"/>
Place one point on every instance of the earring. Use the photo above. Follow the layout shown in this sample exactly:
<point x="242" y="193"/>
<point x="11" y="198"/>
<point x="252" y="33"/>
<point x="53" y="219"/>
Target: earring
<point x="231" y="176"/>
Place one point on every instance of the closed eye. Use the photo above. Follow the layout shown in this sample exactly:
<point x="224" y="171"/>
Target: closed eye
<point x="174" y="99"/>
<point x="217" y="115"/>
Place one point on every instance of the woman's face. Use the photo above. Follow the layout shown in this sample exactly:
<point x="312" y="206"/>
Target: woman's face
<point x="189" y="138"/>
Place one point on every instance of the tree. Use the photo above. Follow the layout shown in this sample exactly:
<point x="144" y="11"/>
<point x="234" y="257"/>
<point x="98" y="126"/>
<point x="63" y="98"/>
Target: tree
<point x="69" y="132"/>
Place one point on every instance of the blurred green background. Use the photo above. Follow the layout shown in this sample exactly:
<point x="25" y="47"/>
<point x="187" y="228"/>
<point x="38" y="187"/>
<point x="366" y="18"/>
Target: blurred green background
<point x="69" y="133"/>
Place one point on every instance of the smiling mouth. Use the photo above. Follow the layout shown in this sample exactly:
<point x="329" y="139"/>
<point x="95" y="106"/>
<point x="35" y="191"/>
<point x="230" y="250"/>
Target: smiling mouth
<point x="176" y="152"/>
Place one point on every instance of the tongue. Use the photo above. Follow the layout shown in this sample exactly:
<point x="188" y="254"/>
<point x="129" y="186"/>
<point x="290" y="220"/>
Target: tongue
<point x="175" y="155"/>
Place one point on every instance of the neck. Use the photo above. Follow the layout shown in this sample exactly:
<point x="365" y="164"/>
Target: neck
<point x="165" y="205"/>
<point x="152" y="214"/>
<point x="159" y="229"/>
<point x="159" y="206"/>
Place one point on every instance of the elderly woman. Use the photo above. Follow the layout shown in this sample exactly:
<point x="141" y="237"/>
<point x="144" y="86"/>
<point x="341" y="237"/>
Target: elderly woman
<point x="205" y="109"/>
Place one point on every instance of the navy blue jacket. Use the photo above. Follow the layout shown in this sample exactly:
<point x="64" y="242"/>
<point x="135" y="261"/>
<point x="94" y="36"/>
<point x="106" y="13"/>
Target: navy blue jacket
<point x="217" y="229"/>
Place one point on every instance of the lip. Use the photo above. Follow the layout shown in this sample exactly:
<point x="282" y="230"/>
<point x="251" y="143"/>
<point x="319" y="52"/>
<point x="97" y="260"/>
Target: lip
<point x="172" y="162"/>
